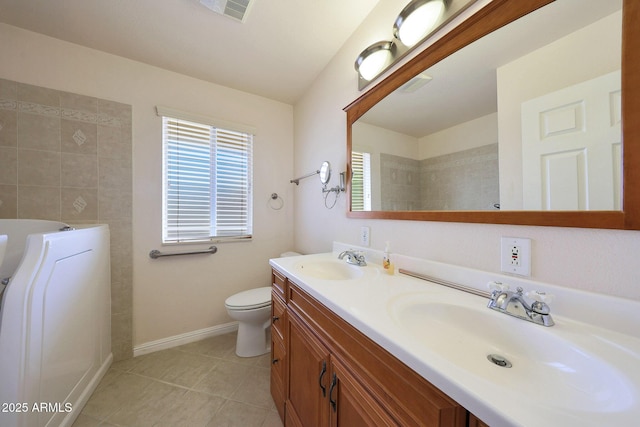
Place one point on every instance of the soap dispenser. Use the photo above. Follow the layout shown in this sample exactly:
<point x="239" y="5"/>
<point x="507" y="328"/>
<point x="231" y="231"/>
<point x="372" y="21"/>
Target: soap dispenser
<point x="386" y="260"/>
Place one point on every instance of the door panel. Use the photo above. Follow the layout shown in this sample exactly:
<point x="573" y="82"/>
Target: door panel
<point x="571" y="156"/>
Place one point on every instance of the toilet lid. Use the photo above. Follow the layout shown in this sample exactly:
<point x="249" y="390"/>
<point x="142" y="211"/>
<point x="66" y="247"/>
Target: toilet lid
<point x="247" y="300"/>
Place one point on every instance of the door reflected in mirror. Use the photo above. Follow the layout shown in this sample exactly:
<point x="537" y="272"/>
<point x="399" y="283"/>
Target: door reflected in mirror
<point x="527" y="117"/>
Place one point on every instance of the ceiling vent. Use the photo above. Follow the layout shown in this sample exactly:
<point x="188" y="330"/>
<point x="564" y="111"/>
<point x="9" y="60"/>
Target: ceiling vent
<point x="415" y="83"/>
<point x="235" y="9"/>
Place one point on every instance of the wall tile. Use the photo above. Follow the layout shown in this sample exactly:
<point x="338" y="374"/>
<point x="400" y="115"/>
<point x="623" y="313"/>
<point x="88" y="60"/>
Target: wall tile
<point x="113" y="204"/>
<point x="8" y="165"/>
<point x="114" y="143"/>
<point x="8" y="128"/>
<point x="121" y="336"/>
<point x="38" y="167"/>
<point x="114" y="113"/>
<point x="73" y="101"/>
<point x="8" y="89"/>
<point x="38" y="132"/>
<point x="8" y="201"/>
<point x="115" y="173"/>
<point x="39" y="203"/>
<point x="79" y="204"/>
<point x="79" y="170"/>
<point x="121" y="295"/>
<point x="78" y="137"/>
<point x="38" y="95"/>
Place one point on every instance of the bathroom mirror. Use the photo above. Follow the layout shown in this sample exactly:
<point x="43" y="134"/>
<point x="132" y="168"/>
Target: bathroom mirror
<point x="495" y="59"/>
<point x="325" y="172"/>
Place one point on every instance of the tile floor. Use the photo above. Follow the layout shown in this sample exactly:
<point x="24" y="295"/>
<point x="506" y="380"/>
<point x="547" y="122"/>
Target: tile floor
<point x="198" y="384"/>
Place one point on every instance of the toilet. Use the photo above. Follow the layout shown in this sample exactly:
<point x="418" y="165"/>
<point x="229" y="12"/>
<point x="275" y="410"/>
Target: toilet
<point x="252" y="310"/>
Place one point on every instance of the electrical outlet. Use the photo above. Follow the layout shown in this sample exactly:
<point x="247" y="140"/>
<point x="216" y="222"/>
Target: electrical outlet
<point x="364" y="236"/>
<point x="515" y="256"/>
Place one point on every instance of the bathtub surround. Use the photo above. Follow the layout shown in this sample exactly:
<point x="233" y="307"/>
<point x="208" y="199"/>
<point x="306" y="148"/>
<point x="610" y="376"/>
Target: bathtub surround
<point x="67" y="157"/>
<point x="464" y="180"/>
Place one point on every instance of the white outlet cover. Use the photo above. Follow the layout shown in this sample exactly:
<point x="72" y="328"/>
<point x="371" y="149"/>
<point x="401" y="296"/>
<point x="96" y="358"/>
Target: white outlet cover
<point x="365" y="233"/>
<point x="521" y="266"/>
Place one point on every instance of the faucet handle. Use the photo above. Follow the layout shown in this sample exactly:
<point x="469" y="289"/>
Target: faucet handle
<point x="540" y="296"/>
<point x="497" y="286"/>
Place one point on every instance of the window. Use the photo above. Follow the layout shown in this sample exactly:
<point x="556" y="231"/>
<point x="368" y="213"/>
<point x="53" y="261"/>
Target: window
<point x="361" y="181"/>
<point x="207" y="175"/>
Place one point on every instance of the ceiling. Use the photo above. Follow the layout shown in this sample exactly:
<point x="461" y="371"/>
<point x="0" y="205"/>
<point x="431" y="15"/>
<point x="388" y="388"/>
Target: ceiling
<point x="277" y="52"/>
<point x="464" y="85"/>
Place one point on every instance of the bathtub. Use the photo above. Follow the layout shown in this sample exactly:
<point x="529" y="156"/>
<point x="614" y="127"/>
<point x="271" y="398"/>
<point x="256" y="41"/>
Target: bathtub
<point x="55" y="320"/>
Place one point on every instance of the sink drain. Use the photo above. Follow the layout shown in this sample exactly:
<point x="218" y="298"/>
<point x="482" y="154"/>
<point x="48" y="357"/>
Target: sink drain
<point x="498" y="360"/>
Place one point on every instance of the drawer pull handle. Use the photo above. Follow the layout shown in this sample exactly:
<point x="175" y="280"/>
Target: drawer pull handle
<point x="274" y="361"/>
<point x="334" y="381"/>
<point x="273" y="320"/>
<point x="324" y="370"/>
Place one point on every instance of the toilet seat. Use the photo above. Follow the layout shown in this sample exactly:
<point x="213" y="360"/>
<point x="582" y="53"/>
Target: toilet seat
<point x="250" y="300"/>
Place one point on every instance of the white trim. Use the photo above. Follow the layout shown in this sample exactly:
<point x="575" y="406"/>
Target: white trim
<point x="82" y="400"/>
<point x="186" y="338"/>
<point x="163" y="111"/>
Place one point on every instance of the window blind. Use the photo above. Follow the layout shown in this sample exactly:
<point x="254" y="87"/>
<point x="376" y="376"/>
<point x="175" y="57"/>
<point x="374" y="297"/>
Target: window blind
<point x="360" y="181"/>
<point x="207" y="182"/>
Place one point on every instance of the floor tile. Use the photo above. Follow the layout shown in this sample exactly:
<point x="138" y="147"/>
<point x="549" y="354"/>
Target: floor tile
<point x="195" y="385"/>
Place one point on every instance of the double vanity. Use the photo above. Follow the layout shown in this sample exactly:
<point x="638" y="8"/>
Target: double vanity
<point x="353" y="345"/>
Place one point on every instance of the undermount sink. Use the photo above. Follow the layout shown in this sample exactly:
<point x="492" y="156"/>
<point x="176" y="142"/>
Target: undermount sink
<point x="559" y="366"/>
<point x="329" y="270"/>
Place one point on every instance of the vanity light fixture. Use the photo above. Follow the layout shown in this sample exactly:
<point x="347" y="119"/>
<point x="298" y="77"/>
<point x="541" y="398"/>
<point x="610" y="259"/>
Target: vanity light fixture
<point x="417" y="20"/>
<point x="374" y="59"/>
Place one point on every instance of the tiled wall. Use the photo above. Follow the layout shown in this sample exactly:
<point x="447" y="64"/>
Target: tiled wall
<point x="67" y="157"/>
<point x="465" y="180"/>
<point x="399" y="183"/>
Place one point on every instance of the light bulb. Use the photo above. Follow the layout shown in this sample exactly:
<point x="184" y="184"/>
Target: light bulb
<point x="374" y="63"/>
<point x="420" y="22"/>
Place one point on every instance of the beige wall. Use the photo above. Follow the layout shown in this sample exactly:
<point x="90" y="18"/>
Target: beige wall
<point x="172" y="296"/>
<point x="596" y="260"/>
<point x="464" y="136"/>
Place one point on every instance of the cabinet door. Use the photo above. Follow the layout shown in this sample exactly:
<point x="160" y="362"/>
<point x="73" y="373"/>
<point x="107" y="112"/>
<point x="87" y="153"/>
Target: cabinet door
<point x="308" y="377"/>
<point x="350" y="403"/>
<point x="278" y="367"/>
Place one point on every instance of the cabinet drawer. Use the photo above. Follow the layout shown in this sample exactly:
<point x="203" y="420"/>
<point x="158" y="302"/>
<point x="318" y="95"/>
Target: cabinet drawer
<point x="279" y="282"/>
<point x="278" y="314"/>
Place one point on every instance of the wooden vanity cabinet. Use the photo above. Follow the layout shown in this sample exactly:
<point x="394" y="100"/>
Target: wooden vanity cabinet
<point x="336" y="376"/>
<point x="322" y="391"/>
<point x="278" y="341"/>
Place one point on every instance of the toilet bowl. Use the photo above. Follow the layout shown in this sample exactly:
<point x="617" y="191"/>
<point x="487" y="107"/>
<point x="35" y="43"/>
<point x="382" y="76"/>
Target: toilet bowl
<point x="252" y="310"/>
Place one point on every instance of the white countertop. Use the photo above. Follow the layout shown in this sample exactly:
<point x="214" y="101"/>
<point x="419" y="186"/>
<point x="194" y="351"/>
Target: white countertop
<point x="499" y="396"/>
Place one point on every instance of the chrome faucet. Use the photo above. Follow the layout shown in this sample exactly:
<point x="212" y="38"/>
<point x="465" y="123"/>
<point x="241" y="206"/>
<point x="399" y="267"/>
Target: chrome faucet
<point x="353" y="257"/>
<point x="515" y="304"/>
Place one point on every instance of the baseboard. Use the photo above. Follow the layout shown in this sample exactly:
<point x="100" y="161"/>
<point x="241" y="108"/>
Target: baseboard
<point x="82" y="400"/>
<point x="186" y="338"/>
